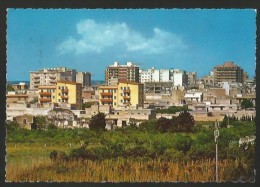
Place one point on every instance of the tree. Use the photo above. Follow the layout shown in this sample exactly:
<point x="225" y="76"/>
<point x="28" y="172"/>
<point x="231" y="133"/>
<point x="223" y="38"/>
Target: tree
<point x="224" y="123"/>
<point x="98" y="122"/>
<point x="163" y="124"/>
<point x="183" y="143"/>
<point x="9" y="88"/>
<point x="184" y="122"/>
<point x="246" y="103"/>
<point x="12" y="126"/>
<point x="40" y="122"/>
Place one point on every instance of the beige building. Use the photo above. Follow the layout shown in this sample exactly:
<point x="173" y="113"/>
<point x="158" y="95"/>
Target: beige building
<point x="50" y="76"/>
<point x="84" y="78"/>
<point x="15" y="98"/>
<point x="124" y="94"/>
<point x="128" y="72"/>
<point x="229" y="72"/>
<point x="25" y="121"/>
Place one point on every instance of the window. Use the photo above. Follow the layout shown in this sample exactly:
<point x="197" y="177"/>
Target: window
<point x="114" y="97"/>
<point x="59" y="100"/>
<point x="114" y="91"/>
<point x="53" y="97"/>
<point x="115" y="104"/>
<point x="24" y="121"/>
<point x="121" y="101"/>
<point x="121" y="94"/>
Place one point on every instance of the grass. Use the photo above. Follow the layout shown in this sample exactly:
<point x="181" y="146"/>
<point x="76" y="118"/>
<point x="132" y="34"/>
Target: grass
<point x="31" y="163"/>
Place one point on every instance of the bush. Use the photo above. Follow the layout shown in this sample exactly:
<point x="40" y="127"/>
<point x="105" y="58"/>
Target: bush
<point x="183" y="143"/>
<point x="58" y="156"/>
<point x="164" y="124"/>
<point x="184" y="122"/>
<point x="98" y="122"/>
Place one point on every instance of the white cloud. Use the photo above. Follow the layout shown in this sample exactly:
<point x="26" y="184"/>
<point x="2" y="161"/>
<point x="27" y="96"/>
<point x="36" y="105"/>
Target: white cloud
<point x="96" y="37"/>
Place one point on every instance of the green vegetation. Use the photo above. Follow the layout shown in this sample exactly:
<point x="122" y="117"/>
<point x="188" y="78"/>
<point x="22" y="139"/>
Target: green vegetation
<point x="154" y="144"/>
<point x="173" y="109"/>
<point x="246" y="103"/>
<point x="98" y="122"/>
<point x="9" y="88"/>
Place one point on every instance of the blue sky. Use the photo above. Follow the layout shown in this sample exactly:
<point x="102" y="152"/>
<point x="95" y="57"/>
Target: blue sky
<point x="90" y="40"/>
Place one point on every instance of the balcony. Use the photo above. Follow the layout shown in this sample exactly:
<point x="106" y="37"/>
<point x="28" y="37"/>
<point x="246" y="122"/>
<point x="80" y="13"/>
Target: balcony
<point x="126" y="91"/>
<point x="36" y="77"/>
<point x="52" y="77"/>
<point x="45" y="93"/>
<point x="106" y="100"/>
<point x="127" y="97"/>
<point x="64" y="96"/>
<point x="45" y="100"/>
<point x="106" y="94"/>
<point x="64" y="90"/>
<point x="52" y="81"/>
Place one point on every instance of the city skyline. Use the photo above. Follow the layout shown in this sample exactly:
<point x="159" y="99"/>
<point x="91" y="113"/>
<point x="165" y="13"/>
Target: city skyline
<point x="90" y="40"/>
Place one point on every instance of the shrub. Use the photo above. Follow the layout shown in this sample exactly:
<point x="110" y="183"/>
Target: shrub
<point x="164" y="124"/>
<point x="98" y="122"/>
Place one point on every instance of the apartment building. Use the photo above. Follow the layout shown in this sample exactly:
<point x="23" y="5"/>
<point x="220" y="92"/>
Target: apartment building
<point x="192" y="77"/>
<point x="47" y="94"/>
<point x="64" y="92"/>
<point x="123" y="94"/>
<point x="84" y="78"/>
<point x="228" y="72"/>
<point x="69" y="93"/>
<point x="177" y="76"/>
<point x="128" y="72"/>
<point x="50" y="76"/>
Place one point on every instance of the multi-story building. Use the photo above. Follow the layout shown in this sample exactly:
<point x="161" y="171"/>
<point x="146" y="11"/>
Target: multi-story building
<point x="178" y="77"/>
<point x="84" y="78"/>
<point x="192" y="77"/>
<point x="229" y="72"/>
<point x="128" y="72"/>
<point x="122" y="94"/>
<point x="50" y="76"/>
<point x="69" y="92"/>
<point x="64" y="92"/>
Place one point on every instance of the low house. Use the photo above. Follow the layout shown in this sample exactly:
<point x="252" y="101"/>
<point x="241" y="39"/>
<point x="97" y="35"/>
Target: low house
<point x="25" y="121"/>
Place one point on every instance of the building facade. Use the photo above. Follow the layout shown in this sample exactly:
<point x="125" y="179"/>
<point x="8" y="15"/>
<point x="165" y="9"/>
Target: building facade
<point x="124" y="94"/>
<point x="84" y="78"/>
<point x="64" y="92"/>
<point x="192" y="77"/>
<point x="177" y="76"/>
<point x="50" y="76"/>
<point x="128" y="72"/>
<point x="228" y="72"/>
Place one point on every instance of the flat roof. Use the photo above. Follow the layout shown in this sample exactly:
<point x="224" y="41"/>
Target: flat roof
<point x="69" y="82"/>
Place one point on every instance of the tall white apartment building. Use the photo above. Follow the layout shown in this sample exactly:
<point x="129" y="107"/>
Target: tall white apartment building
<point x="178" y="77"/>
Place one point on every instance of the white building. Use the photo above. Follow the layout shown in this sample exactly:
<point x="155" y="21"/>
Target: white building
<point x="178" y="77"/>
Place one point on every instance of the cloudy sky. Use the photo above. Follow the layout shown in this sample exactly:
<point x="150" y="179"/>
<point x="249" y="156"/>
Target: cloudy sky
<point x="90" y="40"/>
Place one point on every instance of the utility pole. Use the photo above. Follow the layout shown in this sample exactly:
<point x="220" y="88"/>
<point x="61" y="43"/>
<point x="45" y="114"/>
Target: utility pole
<point x="216" y="135"/>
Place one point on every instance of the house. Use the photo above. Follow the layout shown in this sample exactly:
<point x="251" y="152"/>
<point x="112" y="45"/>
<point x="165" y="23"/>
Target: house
<point x="25" y="121"/>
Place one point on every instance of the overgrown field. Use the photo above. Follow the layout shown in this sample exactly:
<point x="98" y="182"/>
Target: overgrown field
<point x="131" y="154"/>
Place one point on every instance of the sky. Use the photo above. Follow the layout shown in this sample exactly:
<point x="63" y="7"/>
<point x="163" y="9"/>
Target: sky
<point x="91" y="39"/>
